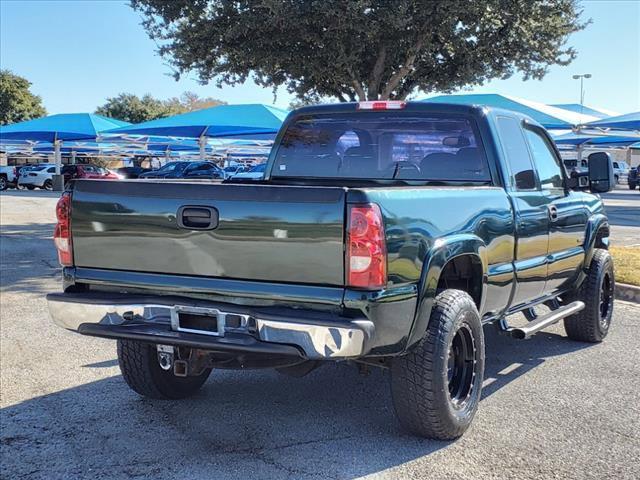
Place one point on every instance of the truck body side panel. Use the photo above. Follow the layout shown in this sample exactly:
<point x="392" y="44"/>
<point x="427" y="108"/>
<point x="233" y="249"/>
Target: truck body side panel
<point x="468" y="220"/>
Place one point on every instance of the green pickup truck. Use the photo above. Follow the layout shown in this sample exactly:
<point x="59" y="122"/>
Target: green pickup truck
<point x="383" y="233"/>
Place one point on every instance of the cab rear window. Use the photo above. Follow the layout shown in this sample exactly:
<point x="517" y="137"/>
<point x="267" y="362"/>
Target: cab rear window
<point x="389" y="145"/>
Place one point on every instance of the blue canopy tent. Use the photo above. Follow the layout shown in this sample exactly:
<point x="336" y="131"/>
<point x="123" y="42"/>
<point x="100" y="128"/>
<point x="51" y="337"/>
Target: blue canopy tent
<point x="58" y="128"/>
<point x="614" y="140"/>
<point x="249" y="121"/>
<point x="548" y="116"/>
<point x="585" y="110"/>
<point x="629" y="121"/>
<point x="63" y="126"/>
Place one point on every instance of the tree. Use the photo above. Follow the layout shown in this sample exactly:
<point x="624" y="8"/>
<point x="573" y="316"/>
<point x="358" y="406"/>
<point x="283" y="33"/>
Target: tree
<point x="17" y="103"/>
<point x="189" y="101"/>
<point x="131" y="108"/>
<point x="362" y="49"/>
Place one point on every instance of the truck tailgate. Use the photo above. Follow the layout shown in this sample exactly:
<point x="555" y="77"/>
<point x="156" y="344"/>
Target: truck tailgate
<point x="264" y="232"/>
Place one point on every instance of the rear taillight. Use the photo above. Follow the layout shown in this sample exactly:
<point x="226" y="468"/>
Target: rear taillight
<point x="62" y="233"/>
<point x="366" y="256"/>
<point x="382" y="105"/>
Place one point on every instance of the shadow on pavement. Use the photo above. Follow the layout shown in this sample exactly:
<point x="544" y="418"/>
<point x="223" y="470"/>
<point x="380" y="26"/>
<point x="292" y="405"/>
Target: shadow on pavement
<point x="624" y="216"/>
<point x="333" y="423"/>
<point x="29" y="259"/>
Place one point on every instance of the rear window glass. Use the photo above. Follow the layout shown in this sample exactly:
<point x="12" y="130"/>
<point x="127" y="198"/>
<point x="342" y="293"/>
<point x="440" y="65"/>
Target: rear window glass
<point x="173" y="166"/>
<point x="366" y="145"/>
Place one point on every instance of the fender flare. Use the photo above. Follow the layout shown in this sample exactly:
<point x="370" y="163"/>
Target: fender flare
<point x="594" y="224"/>
<point x="443" y="251"/>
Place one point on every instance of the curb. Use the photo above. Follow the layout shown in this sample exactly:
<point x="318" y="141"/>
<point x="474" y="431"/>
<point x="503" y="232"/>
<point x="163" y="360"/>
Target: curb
<point x="628" y="293"/>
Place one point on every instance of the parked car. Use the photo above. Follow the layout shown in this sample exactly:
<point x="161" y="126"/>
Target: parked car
<point x="391" y="253"/>
<point x="234" y="170"/>
<point x="72" y="172"/>
<point x="8" y="177"/>
<point x="254" y="173"/>
<point x="40" y="176"/>
<point x="185" y="169"/>
<point x="132" y="172"/>
<point x="620" y="171"/>
<point x="634" y="178"/>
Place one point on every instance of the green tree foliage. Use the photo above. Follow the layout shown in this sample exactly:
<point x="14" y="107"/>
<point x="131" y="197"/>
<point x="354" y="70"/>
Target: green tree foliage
<point x="134" y="109"/>
<point x="17" y="103"/>
<point x="362" y="49"/>
<point x="189" y="101"/>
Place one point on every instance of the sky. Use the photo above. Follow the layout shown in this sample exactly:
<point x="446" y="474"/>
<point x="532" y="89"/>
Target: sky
<point x="78" y="53"/>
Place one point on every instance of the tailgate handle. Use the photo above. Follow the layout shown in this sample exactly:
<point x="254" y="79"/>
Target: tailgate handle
<point x="197" y="218"/>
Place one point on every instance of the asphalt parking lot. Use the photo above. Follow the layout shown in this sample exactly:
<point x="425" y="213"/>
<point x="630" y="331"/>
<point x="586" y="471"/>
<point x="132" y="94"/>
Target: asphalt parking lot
<point x="551" y="408"/>
<point x="623" y="210"/>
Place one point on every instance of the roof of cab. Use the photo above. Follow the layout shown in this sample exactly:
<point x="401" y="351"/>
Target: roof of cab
<point x="476" y="110"/>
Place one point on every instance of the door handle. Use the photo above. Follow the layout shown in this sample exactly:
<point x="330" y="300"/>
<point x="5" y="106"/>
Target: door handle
<point x="192" y="217"/>
<point x="553" y="213"/>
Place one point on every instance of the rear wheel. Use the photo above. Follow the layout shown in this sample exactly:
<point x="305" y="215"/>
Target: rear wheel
<point x="597" y="292"/>
<point x="436" y="387"/>
<point x="142" y="372"/>
<point x="3" y="183"/>
<point x="47" y="185"/>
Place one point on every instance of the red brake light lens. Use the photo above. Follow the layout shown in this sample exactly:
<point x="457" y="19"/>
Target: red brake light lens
<point x="382" y="105"/>
<point x="62" y="232"/>
<point x="366" y="256"/>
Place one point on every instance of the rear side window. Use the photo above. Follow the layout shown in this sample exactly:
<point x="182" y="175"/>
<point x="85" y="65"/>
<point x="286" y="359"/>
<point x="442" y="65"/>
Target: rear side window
<point x="382" y="145"/>
<point x="548" y="167"/>
<point x="51" y="170"/>
<point x="515" y="148"/>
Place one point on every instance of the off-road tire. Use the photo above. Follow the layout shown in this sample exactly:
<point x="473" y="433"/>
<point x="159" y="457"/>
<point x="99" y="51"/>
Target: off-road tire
<point x="420" y="382"/>
<point x="3" y="183"/>
<point x="589" y="324"/>
<point x="142" y="372"/>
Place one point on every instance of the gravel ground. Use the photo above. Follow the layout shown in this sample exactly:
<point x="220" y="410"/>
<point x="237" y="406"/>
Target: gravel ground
<point x="552" y="408"/>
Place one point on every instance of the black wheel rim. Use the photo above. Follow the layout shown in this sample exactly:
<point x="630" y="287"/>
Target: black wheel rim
<point x="606" y="301"/>
<point x="461" y="366"/>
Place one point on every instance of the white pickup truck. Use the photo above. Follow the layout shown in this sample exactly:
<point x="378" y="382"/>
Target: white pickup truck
<point x="8" y="177"/>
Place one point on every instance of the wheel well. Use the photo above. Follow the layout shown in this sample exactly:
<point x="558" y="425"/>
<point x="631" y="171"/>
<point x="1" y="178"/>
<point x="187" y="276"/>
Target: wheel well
<point x="463" y="273"/>
<point x="603" y="232"/>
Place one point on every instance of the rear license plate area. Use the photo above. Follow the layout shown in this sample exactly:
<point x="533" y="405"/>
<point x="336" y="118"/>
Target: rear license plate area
<point x="194" y="321"/>
<point x="205" y="321"/>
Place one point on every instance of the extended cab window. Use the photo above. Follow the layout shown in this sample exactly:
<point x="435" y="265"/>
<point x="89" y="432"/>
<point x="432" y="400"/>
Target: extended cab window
<point x="548" y="167"/>
<point x="522" y="174"/>
<point x="382" y="145"/>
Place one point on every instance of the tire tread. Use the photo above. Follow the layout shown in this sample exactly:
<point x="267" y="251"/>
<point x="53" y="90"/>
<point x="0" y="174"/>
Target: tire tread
<point x="414" y="394"/>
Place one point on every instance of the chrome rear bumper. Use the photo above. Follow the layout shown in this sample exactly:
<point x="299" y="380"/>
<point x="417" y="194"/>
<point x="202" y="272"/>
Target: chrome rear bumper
<point x="157" y="320"/>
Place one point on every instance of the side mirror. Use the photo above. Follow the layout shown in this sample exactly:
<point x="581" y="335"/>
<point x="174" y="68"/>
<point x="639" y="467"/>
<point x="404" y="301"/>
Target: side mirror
<point x="601" y="178"/>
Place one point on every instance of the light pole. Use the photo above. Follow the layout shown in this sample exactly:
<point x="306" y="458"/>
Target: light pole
<point x="582" y="77"/>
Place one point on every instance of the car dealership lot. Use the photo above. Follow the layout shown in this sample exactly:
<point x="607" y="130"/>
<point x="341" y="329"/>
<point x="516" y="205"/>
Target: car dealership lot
<point x="552" y="408"/>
